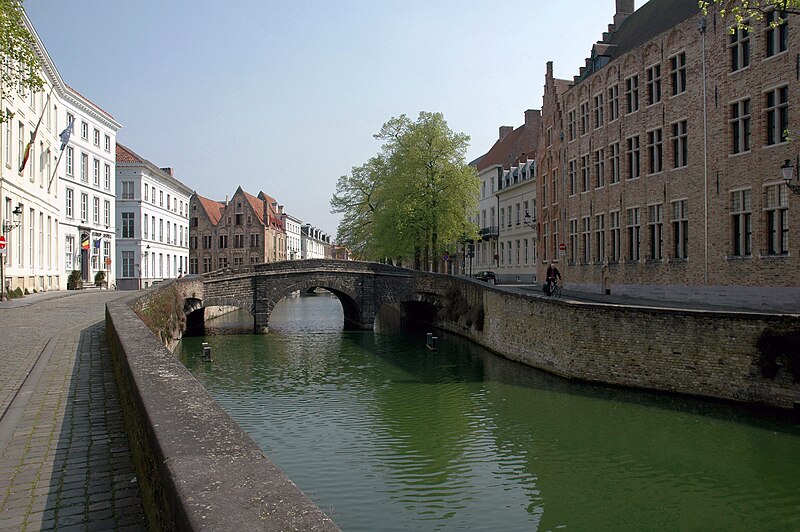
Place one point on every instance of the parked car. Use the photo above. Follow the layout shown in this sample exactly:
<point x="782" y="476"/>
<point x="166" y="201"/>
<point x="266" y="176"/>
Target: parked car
<point x="486" y="276"/>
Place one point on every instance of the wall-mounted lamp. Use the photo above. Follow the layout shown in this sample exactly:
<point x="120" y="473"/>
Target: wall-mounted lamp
<point x="529" y="220"/>
<point x="788" y="174"/>
<point x="17" y="212"/>
<point x="146" y="251"/>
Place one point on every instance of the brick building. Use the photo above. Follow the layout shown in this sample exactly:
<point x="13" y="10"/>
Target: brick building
<point x="245" y="230"/>
<point x="664" y="155"/>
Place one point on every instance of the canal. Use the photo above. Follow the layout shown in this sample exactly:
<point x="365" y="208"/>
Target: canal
<point x="384" y="434"/>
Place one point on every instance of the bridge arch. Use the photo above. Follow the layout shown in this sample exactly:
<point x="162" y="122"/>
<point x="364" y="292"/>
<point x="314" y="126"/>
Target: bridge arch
<point x="353" y="316"/>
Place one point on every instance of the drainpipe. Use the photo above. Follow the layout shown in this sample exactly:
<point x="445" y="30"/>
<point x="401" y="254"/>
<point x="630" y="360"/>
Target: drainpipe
<point x="705" y="149"/>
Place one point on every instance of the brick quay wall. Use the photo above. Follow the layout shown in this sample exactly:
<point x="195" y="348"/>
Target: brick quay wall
<point x="702" y="353"/>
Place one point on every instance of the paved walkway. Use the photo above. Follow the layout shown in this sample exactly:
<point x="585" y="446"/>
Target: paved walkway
<point x="64" y="456"/>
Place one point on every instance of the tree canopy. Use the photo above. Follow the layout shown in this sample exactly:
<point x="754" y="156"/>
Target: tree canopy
<point x="743" y="11"/>
<point x="411" y="201"/>
<point x="21" y="65"/>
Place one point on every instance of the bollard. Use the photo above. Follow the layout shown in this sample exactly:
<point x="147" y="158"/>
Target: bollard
<point x="206" y="352"/>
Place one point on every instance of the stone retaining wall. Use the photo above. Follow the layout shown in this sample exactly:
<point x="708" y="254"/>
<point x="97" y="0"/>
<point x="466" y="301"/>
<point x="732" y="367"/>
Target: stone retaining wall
<point x="702" y="353"/>
<point x="197" y="469"/>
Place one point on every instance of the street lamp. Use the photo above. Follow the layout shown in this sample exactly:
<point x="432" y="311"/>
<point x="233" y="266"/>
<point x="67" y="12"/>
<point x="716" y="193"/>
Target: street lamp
<point x="528" y="219"/>
<point x="788" y="173"/>
<point x="17" y="212"/>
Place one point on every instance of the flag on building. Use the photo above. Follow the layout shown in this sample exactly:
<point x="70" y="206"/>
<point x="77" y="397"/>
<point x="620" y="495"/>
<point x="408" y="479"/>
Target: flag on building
<point x="27" y="153"/>
<point x="64" y="136"/>
<point x="84" y="241"/>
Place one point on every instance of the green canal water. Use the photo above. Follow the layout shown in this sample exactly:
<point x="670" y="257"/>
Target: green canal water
<point x="384" y="434"/>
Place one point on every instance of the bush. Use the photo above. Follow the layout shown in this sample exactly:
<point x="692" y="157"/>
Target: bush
<point x="74" y="281"/>
<point x="100" y="278"/>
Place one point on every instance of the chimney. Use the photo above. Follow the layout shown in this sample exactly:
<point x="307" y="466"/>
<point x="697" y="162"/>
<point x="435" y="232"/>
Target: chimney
<point x="532" y="116"/>
<point x="169" y="170"/>
<point x="505" y="130"/>
<point x="624" y="8"/>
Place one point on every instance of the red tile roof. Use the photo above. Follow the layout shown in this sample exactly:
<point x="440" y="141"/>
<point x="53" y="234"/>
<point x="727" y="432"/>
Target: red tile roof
<point x="519" y="144"/>
<point x="214" y="209"/>
<point x="126" y="155"/>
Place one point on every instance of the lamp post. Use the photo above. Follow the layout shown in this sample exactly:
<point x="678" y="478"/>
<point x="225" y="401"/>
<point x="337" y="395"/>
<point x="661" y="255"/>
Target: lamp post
<point x="787" y="171"/>
<point x="145" y="254"/>
<point x="8" y="226"/>
<point x="530" y="221"/>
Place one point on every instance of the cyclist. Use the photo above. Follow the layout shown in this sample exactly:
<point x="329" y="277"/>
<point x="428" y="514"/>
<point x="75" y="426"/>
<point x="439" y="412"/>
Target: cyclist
<point x="552" y="276"/>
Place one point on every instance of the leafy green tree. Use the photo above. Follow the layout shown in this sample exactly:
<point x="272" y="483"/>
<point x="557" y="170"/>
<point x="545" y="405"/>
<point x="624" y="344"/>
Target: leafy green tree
<point x="21" y="64"/>
<point x="744" y="10"/>
<point x="421" y="192"/>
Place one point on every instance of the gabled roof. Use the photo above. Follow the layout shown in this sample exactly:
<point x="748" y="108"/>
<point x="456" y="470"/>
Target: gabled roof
<point x="650" y="20"/>
<point x="256" y="204"/>
<point x="213" y="209"/>
<point x="126" y="155"/>
<point x="519" y="144"/>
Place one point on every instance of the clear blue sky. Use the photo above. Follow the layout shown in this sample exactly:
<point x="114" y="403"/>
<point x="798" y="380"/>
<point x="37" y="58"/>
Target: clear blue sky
<point x="284" y="96"/>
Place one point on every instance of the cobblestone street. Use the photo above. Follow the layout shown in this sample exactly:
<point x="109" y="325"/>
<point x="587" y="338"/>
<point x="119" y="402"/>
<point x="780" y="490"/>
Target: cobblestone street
<point x="64" y="457"/>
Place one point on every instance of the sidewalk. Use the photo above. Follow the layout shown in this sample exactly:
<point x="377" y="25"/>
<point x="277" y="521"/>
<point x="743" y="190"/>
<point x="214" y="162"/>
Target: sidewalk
<point x="64" y="456"/>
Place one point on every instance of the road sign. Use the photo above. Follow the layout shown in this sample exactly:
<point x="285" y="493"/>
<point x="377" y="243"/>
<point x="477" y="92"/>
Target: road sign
<point x="446" y="257"/>
<point x="108" y="261"/>
<point x="562" y="249"/>
<point x="2" y="244"/>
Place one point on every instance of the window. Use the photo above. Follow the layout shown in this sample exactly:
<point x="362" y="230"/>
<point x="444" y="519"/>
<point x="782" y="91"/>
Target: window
<point x="206" y="241"/>
<point x="599" y="168"/>
<point x="573" y="178"/>
<point x="777" y="220"/>
<point x="238" y="241"/>
<point x="571" y="124"/>
<point x="127" y="190"/>
<point x="634" y="157"/>
<point x="544" y="194"/>
<point x="633" y="233"/>
<point x="96" y="210"/>
<point x="653" y="84"/>
<point x="107" y="175"/>
<point x="600" y="236"/>
<point x="127" y="264"/>
<point x="613" y="103"/>
<point x="97" y="137"/>
<point x="599" y="111"/>
<point x="584" y="118"/>
<point x="656" y="225"/>
<point x="96" y="173"/>
<point x="632" y="94"/>
<point x="739" y="47"/>
<point x="20" y="143"/>
<point x="740" y="126"/>
<point x="223" y="241"/>
<point x="777" y="109"/>
<point x="585" y="173"/>
<point x="655" y="151"/>
<point x="84" y="207"/>
<point x="253" y="240"/>
<point x="545" y="239"/>
<point x="502" y="253"/>
<point x="677" y="73"/>
<point x="776" y="34"/>
<point x="70" y="198"/>
<point x="146" y="227"/>
<point x="741" y="223"/>
<point x="613" y="149"/>
<point x="160" y="229"/>
<point x="84" y="167"/>
<point x="549" y="136"/>
<point x="153" y="195"/>
<point x="555" y="185"/>
<point x="160" y="198"/>
<point x="84" y="131"/>
<point x="7" y="143"/>
<point x="680" y="229"/>
<point x="70" y="161"/>
<point x="616" y="244"/>
<point x="108" y="143"/>
<point x="573" y="241"/>
<point x="680" y="144"/>
<point x="128" y="225"/>
<point x="168" y="232"/>
<point x="586" y="235"/>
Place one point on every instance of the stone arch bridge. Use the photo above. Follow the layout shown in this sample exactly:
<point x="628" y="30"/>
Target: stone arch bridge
<point x="361" y="287"/>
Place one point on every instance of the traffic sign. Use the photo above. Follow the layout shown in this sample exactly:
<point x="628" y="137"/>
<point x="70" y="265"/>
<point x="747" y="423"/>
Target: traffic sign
<point x="446" y="256"/>
<point x="562" y="249"/>
<point x="108" y="261"/>
<point x="2" y="244"/>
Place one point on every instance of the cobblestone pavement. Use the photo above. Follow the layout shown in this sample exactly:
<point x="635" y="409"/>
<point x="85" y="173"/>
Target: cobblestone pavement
<point x="64" y="456"/>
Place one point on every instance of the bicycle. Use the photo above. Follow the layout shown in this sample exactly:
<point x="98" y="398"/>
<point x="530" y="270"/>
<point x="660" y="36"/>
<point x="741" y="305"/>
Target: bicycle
<point x="555" y="289"/>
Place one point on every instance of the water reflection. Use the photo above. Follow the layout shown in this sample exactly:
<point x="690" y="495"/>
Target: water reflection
<point x="384" y="434"/>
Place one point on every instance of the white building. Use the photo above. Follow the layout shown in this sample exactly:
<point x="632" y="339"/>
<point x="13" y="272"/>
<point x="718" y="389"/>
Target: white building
<point x="86" y="190"/>
<point x="153" y="220"/>
<point x="32" y="200"/>
<point x="314" y="244"/>
<point x="292" y="226"/>
<point x="516" y="238"/>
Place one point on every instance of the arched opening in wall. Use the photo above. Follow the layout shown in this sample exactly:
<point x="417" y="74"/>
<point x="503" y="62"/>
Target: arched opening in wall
<point x="218" y="319"/>
<point x="313" y="309"/>
<point x="414" y="316"/>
